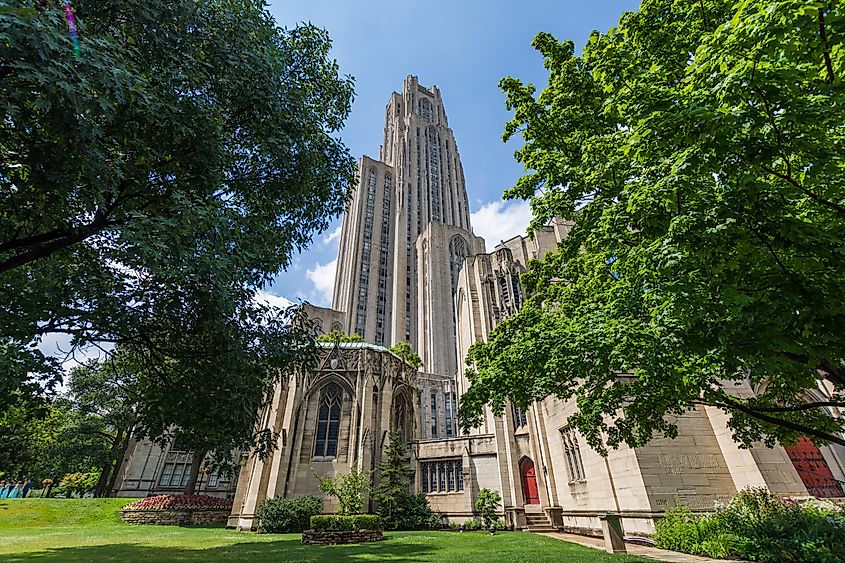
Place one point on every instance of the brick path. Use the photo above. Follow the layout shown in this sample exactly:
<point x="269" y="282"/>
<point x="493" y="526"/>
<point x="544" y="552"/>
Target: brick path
<point x="640" y="550"/>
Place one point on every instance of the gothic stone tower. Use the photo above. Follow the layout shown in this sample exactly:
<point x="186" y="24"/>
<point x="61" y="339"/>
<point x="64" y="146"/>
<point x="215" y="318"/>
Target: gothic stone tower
<point x="407" y="232"/>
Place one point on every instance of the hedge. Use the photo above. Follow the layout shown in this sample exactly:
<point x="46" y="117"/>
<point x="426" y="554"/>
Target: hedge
<point x="282" y="515"/>
<point x="337" y="523"/>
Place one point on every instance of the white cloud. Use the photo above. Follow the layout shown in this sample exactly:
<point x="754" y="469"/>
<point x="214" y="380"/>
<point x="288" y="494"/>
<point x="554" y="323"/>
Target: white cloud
<point x="333" y="236"/>
<point x="499" y="220"/>
<point x="322" y="276"/>
<point x="273" y="300"/>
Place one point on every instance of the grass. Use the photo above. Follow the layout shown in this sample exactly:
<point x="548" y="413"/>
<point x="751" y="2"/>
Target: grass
<point x="91" y="530"/>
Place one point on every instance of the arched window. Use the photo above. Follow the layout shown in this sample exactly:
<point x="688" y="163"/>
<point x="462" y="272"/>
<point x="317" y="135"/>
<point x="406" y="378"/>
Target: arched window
<point x="426" y="110"/>
<point x="328" y="421"/>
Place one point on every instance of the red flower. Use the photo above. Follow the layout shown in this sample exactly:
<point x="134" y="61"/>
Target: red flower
<point x="180" y="502"/>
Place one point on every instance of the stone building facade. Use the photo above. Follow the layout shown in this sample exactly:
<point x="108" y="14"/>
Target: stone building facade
<point x="411" y="270"/>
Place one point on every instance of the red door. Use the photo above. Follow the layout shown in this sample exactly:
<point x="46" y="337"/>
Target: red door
<point x="813" y="469"/>
<point x="529" y="482"/>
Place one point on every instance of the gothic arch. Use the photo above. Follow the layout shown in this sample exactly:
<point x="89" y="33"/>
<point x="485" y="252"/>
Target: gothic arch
<point x="458" y="252"/>
<point x="402" y="413"/>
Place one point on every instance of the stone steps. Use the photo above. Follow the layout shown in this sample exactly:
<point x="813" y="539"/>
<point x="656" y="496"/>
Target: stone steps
<point x="538" y="522"/>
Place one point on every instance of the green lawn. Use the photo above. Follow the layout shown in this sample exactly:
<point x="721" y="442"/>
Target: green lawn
<point x="91" y="530"/>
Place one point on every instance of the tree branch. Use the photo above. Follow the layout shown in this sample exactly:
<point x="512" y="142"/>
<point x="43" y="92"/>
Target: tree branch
<point x="100" y="222"/>
<point x="826" y="50"/>
<point x="802" y="407"/>
<point x="807" y="430"/>
<point x="815" y="197"/>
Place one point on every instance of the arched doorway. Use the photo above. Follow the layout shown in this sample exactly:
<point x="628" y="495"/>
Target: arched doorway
<point x="813" y="469"/>
<point x="529" y="481"/>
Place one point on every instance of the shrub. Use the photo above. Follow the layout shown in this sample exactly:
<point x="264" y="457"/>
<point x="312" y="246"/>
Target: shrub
<point x="472" y="524"/>
<point x="343" y="523"/>
<point x="677" y="531"/>
<point x="417" y="514"/>
<point x="349" y="488"/>
<point x="759" y="526"/>
<point x="280" y="515"/>
<point x="77" y="483"/>
<point x="486" y="504"/>
<point x="180" y="502"/>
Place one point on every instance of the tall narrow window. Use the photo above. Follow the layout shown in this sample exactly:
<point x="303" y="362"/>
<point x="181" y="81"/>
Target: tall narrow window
<point x="448" y="405"/>
<point x="520" y="417"/>
<point x="328" y="421"/>
<point x="433" y="415"/>
<point x="572" y="455"/>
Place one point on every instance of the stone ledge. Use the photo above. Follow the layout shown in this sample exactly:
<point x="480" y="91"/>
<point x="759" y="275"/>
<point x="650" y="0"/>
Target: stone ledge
<point x="175" y="517"/>
<point x="311" y="537"/>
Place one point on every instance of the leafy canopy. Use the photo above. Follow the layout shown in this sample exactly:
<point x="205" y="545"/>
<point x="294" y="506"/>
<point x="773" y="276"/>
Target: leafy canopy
<point x="404" y="351"/>
<point x="164" y="174"/>
<point x="348" y="488"/>
<point x="698" y="150"/>
<point x="340" y="336"/>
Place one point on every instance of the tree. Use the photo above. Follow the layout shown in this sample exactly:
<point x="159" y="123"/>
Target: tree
<point x="207" y="392"/>
<point x="486" y="506"/>
<point x="404" y="351"/>
<point x="108" y="391"/>
<point x="698" y="150"/>
<point x="393" y="489"/>
<point x="51" y="440"/>
<point x="339" y="336"/>
<point x="348" y="488"/>
<point x="188" y="149"/>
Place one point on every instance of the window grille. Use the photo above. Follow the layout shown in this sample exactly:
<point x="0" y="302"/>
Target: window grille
<point x="328" y="421"/>
<point x="443" y="476"/>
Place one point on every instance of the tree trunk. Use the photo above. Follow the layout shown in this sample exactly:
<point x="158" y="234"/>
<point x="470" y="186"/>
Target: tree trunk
<point x="103" y="482"/>
<point x="118" y="464"/>
<point x="195" y="471"/>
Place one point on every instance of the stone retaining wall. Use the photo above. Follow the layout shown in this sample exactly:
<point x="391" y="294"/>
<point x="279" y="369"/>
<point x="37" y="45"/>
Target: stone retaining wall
<point x="311" y="537"/>
<point x="175" y="517"/>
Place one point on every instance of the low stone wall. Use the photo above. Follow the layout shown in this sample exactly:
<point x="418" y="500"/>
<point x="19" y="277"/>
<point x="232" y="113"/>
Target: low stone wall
<point x="311" y="537"/>
<point x="175" y="517"/>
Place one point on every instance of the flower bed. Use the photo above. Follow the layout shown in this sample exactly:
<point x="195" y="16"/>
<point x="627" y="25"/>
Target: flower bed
<point x="177" y="510"/>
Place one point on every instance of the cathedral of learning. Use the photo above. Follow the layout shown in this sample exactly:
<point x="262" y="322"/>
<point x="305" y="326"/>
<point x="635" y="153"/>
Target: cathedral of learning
<point x="410" y="269"/>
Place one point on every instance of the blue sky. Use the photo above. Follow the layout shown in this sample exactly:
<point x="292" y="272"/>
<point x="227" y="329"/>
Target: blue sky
<point x="462" y="46"/>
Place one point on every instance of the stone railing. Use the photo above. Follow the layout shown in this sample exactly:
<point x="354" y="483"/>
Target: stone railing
<point x="312" y="537"/>
<point x="175" y="517"/>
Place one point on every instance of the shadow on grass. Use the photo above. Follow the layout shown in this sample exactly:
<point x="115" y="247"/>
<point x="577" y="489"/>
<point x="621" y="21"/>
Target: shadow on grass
<point x="281" y="550"/>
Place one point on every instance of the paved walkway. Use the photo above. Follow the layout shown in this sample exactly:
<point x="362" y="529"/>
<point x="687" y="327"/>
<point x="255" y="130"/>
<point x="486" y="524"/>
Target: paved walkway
<point x="641" y="550"/>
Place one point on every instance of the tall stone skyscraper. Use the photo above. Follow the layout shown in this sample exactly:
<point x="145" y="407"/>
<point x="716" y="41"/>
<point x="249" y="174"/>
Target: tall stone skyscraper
<point x="407" y="232"/>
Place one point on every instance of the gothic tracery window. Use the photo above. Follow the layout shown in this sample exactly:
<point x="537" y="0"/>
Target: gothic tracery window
<point x="426" y="111"/>
<point x="328" y="421"/>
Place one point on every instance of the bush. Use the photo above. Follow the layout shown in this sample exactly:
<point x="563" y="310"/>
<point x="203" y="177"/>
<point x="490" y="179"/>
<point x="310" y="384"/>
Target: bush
<point x="417" y="515"/>
<point x="759" y="526"/>
<point x="180" y="502"/>
<point x="77" y="483"/>
<point x="677" y="531"/>
<point x="282" y="515"/>
<point x="472" y="524"/>
<point x="486" y="505"/>
<point x="349" y="488"/>
<point x="344" y="523"/>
